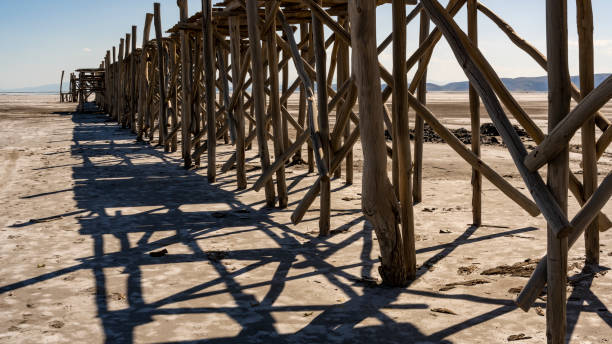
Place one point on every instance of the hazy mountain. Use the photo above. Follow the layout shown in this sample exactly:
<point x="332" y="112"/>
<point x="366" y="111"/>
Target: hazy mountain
<point x="524" y="84"/>
<point x="51" y="88"/>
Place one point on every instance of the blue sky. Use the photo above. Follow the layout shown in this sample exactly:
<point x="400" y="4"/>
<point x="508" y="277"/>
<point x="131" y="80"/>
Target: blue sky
<point x="39" y="38"/>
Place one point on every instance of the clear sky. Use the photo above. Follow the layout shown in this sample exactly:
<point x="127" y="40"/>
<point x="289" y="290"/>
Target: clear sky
<point x="40" y="38"/>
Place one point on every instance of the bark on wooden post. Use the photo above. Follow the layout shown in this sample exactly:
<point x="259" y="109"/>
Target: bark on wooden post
<point x="60" y="90"/>
<point x="344" y="73"/>
<point x="186" y="88"/>
<point x="475" y="120"/>
<point x="419" y="124"/>
<point x="402" y="132"/>
<point x="275" y="111"/>
<point x="163" y="103"/>
<point x="584" y="20"/>
<point x="378" y="199"/>
<point x="143" y="89"/>
<point x="234" y="26"/>
<point x="125" y="87"/>
<point x="115" y="84"/>
<point x="557" y="176"/>
<point x="209" y="74"/>
<point x="258" y="94"/>
<point x="321" y="71"/>
<point x="133" y="97"/>
<point x="120" y="81"/>
<point x="302" y="100"/>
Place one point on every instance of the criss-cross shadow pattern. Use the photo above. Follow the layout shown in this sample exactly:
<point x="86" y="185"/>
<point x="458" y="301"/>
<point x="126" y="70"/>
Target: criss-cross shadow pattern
<point x="144" y="206"/>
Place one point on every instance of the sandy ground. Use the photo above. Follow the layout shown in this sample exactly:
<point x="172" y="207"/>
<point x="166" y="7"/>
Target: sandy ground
<point x="83" y="205"/>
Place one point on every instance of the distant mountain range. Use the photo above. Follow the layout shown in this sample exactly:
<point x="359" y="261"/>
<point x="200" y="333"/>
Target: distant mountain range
<point x="525" y="84"/>
<point x="51" y="88"/>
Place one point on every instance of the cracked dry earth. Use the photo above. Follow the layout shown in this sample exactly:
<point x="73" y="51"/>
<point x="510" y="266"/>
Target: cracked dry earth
<point x="84" y="205"/>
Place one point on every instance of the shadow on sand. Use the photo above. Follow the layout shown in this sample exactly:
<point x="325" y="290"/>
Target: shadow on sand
<point x="112" y="177"/>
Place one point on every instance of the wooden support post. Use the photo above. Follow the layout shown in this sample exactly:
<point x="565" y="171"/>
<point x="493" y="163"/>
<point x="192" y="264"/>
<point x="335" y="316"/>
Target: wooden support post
<point x="209" y="75"/>
<point x="163" y="103"/>
<point x="321" y="73"/>
<point x="258" y="93"/>
<point x="475" y="120"/>
<point x="125" y="87"/>
<point x="120" y="81"/>
<point x="304" y="36"/>
<point x="114" y="86"/>
<point x="234" y="26"/>
<point x="275" y="106"/>
<point x="186" y="88"/>
<point x="107" y="82"/>
<point x="419" y="124"/>
<point x="402" y="132"/>
<point x="60" y="90"/>
<point x="173" y="94"/>
<point x="133" y="98"/>
<point x="584" y="20"/>
<point x="309" y="55"/>
<point x="143" y="89"/>
<point x="378" y="199"/>
<point x="557" y="176"/>
<point x="285" y="86"/>
<point x="344" y="74"/>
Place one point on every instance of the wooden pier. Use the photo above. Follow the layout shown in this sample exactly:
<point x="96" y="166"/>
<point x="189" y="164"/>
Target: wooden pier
<point x="222" y="77"/>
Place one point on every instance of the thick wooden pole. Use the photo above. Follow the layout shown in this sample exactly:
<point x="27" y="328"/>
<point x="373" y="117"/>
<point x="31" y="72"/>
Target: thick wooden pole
<point x="419" y="124"/>
<point x="209" y="73"/>
<point x="60" y="90"/>
<point x="163" y="103"/>
<point x="133" y="98"/>
<point x="558" y="168"/>
<point x="143" y="89"/>
<point x="120" y="80"/>
<point x="323" y="119"/>
<point x="125" y="87"/>
<point x="115" y="84"/>
<point x="259" y="99"/>
<point x="275" y="106"/>
<point x="378" y="199"/>
<point x="285" y="87"/>
<point x="584" y="20"/>
<point x="344" y="71"/>
<point x="234" y="26"/>
<point x="475" y="119"/>
<point x="186" y="88"/>
<point x="402" y="132"/>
